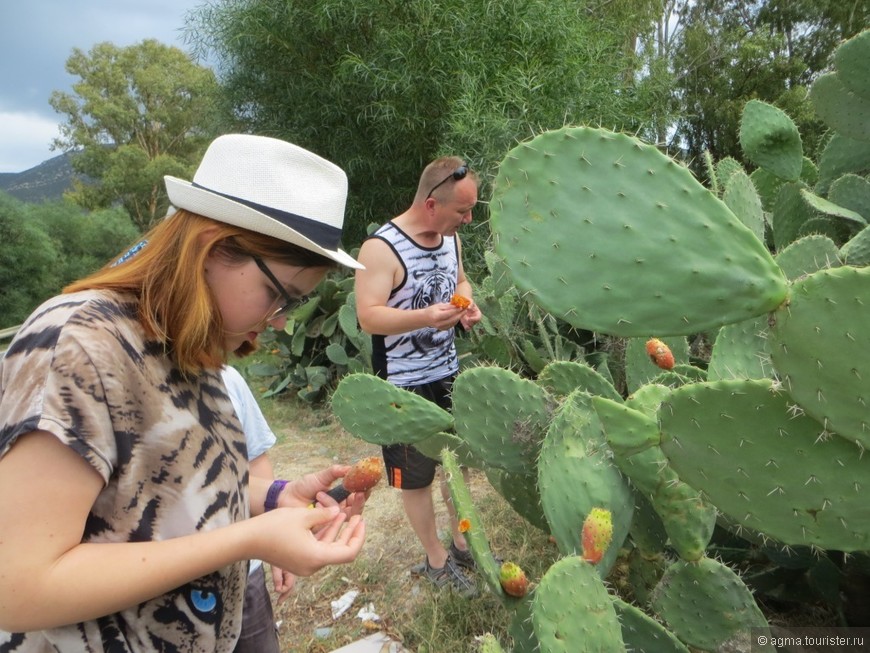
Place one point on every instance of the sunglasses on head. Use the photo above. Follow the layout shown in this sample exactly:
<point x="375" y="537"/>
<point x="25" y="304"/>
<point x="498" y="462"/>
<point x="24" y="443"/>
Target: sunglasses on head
<point x="456" y="175"/>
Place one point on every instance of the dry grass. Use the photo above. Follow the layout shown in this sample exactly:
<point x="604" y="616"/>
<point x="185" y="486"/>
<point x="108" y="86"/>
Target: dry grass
<point x="410" y="611"/>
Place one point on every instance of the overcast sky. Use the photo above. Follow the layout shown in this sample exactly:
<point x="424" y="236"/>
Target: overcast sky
<point x="36" y="39"/>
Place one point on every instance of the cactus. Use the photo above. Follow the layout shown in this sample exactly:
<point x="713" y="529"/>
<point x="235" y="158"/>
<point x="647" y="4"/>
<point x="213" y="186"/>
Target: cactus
<point x="768" y="442"/>
<point x="818" y="343"/>
<point x="573" y="612"/>
<point x="501" y="417"/>
<point x="708" y="607"/>
<point x="693" y="266"/>
<point x="403" y="416"/>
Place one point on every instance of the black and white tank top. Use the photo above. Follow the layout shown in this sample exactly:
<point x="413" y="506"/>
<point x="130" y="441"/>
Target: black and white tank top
<point x="430" y="275"/>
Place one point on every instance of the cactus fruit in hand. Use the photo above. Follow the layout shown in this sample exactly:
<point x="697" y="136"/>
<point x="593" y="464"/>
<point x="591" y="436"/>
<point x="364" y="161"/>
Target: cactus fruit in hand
<point x="361" y="477"/>
<point x="513" y="579"/>
<point x="597" y="534"/>
<point x="460" y="302"/>
<point x="660" y="353"/>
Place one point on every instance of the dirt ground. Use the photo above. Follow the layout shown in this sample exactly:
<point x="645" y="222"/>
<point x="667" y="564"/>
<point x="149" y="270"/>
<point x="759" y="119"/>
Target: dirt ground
<point x="380" y="574"/>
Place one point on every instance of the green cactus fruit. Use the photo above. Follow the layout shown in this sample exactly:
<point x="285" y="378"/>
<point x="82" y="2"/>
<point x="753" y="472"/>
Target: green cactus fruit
<point x="818" y="343"/>
<point x="770" y="139"/>
<point x="572" y="206"/>
<point x="765" y="464"/>
<point x="856" y="252"/>
<point x="640" y="369"/>
<point x="521" y="492"/>
<point x="851" y="59"/>
<point x="489" y="644"/>
<point x="561" y="378"/>
<point x="376" y="411"/>
<point x="501" y="416"/>
<point x="576" y="474"/>
<point x="841" y="155"/>
<point x="474" y="531"/>
<point x="743" y="199"/>
<point x="572" y="611"/>
<point x="841" y="109"/>
<point x="643" y="634"/>
<point x="708" y="607"/>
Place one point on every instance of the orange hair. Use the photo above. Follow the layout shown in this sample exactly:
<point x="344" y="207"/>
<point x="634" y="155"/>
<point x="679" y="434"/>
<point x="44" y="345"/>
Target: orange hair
<point x="176" y="305"/>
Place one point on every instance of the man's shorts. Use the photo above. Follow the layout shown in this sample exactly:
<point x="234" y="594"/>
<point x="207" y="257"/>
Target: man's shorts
<point x="407" y="468"/>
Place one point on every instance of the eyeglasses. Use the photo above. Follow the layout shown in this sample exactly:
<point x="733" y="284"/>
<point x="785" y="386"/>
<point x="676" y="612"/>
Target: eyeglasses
<point x="289" y="302"/>
<point x="456" y="175"/>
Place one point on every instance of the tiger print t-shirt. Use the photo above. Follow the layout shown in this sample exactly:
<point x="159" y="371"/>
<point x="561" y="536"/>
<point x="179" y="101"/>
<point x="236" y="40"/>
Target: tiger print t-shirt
<point x="428" y="354"/>
<point x="170" y="451"/>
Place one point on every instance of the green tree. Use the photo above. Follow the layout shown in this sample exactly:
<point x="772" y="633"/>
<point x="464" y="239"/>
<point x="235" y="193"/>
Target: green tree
<point x="28" y="270"/>
<point x="136" y="114"/>
<point x="731" y="51"/>
<point x="383" y="86"/>
<point x="43" y="247"/>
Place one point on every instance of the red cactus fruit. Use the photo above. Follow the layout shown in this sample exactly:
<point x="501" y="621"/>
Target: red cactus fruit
<point x="364" y="474"/>
<point x="460" y="302"/>
<point x="597" y="534"/>
<point x="513" y="579"/>
<point x="660" y="353"/>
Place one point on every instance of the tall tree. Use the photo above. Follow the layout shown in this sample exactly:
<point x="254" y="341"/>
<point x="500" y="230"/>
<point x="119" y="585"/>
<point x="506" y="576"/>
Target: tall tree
<point x="137" y="113"/>
<point x="382" y="86"/>
<point x="731" y="51"/>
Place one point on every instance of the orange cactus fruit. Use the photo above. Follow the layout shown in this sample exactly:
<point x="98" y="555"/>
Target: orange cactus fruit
<point x="363" y="475"/>
<point x="597" y="534"/>
<point x="660" y="353"/>
<point x="513" y="580"/>
<point x="464" y="525"/>
<point x="460" y="302"/>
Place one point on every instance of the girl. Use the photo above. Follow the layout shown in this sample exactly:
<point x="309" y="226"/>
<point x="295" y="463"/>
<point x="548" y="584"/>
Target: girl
<point x="124" y="488"/>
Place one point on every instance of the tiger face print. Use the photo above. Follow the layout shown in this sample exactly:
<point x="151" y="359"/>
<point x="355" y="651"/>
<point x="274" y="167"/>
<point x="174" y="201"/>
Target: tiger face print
<point x="169" y="449"/>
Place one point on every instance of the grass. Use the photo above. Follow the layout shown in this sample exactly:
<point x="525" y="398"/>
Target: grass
<point x="424" y="619"/>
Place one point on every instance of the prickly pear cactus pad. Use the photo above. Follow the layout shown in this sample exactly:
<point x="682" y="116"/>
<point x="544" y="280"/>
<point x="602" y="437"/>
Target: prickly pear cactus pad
<point x="819" y="343"/>
<point x="501" y="416"/>
<point x="708" y="607"/>
<point x="572" y="611"/>
<point x="760" y="460"/>
<point x="376" y="411"/>
<point x="771" y="140"/>
<point x="576" y="474"/>
<point x="613" y="236"/>
<point x="644" y="634"/>
<point x="474" y="533"/>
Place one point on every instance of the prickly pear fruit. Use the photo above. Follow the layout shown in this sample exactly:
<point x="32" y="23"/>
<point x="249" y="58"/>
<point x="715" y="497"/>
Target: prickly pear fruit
<point x="513" y="579"/>
<point x="597" y="534"/>
<point x="460" y="302"/>
<point x="364" y="474"/>
<point x="660" y="353"/>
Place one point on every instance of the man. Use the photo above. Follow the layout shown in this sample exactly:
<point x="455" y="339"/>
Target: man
<point x="413" y="266"/>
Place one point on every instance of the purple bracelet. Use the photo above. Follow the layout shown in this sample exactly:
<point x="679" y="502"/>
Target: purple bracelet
<point x="272" y="494"/>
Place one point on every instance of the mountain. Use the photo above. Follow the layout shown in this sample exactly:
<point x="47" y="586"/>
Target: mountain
<point x="45" y="182"/>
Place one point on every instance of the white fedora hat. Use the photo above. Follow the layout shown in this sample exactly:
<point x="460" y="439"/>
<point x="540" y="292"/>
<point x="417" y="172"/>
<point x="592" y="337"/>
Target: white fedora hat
<point x="271" y="187"/>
